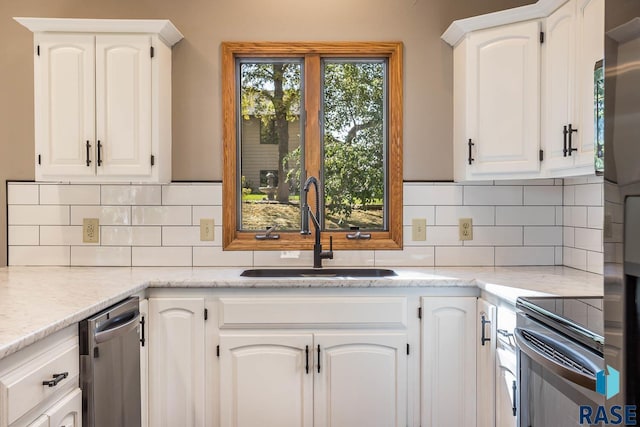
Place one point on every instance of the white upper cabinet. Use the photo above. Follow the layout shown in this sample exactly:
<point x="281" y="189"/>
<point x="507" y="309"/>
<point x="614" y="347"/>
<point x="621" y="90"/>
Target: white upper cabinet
<point x="524" y="90"/>
<point x="102" y="99"/>
<point x="575" y="42"/>
<point x="496" y="97"/>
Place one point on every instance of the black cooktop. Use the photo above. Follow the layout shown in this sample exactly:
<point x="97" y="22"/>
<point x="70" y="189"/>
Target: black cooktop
<point x="580" y="318"/>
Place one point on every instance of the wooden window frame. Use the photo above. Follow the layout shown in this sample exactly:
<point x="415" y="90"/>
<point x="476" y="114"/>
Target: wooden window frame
<point x="312" y="52"/>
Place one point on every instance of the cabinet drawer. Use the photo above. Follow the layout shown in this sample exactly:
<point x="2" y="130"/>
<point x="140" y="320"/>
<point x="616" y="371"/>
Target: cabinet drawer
<point x="21" y="389"/>
<point x="366" y="312"/>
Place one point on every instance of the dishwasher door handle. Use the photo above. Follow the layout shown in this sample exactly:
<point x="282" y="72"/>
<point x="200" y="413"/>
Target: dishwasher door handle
<point x="117" y="326"/>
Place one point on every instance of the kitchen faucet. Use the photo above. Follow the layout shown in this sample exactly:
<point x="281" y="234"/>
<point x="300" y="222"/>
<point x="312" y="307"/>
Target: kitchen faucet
<point x="318" y="254"/>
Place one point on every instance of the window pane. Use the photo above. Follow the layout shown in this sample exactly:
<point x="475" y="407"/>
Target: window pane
<point x="270" y="139"/>
<point x="354" y="135"/>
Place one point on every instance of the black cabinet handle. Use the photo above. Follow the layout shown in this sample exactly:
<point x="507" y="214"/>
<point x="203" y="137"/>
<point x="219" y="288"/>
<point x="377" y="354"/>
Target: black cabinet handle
<point x="88" y="146"/>
<point x="571" y="130"/>
<point x="565" y="132"/>
<point x="484" y="321"/>
<point x="514" y="390"/>
<point x="306" y="354"/>
<point x="99" y="153"/>
<point x="318" y="358"/>
<point x="471" y="144"/>
<point x="56" y="379"/>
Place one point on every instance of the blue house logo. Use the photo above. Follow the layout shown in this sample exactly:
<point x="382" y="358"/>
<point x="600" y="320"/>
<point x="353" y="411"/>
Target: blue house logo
<point x="608" y="384"/>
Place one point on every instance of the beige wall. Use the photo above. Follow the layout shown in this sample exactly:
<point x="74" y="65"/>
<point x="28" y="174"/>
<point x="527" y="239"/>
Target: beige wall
<point x="197" y="132"/>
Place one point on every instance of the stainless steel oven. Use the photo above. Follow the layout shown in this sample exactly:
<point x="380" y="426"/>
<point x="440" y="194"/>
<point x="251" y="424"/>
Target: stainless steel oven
<point x="560" y="350"/>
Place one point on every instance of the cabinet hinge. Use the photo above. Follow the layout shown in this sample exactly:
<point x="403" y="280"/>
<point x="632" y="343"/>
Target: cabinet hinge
<point x="142" y="338"/>
<point x="419" y="312"/>
<point x="151" y="51"/>
<point x="541" y="37"/>
<point x="541" y="155"/>
<point x="96" y="353"/>
<point x="153" y="160"/>
<point x="218" y="351"/>
<point x="206" y="314"/>
<point x="39" y="159"/>
<point x="38" y="50"/>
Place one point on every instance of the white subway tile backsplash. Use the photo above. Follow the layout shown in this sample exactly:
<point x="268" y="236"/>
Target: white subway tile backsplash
<point x="481" y="215"/>
<point x="58" y="235"/>
<point x="101" y="256"/>
<point x="22" y="194"/>
<point x="130" y="236"/>
<point x="589" y="195"/>
<point x="519" y="222"/>
<point x="525" y="255"/>
<point x="282" y="258"/>
<point x="429" y="194"/>
<point x="214" y="256"/>
<point x="495" y="236"/>
<point x="595" y="262"/>
<point x="464" y="256"/>
<point x="161" y="215"/>
<point x="188" y="236"/>
<point x="23" y="235"/>
<point x="192" y="194"/>
<point x="167" y="256"/>
<point x="543" y="195"/>
<point x="412" y="256"/>
<point x="38" y="215"/>
<point x="200" y="212"/>
<point x="39" y="255"/>
<point x="543" y="236"/>
<point x="131" y="195"/>
<point x="60" y="194"/>
<point x="589" y="239"/>
<point x="493" y="195"/>
<point x="595" y="217"/>
<point x="107" y="215"/>
<point x="525" y="215"/>
<point x="426" y="212"/>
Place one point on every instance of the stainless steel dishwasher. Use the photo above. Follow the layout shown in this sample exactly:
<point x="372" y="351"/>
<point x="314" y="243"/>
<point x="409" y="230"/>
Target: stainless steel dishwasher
<point x="110" y="366"/>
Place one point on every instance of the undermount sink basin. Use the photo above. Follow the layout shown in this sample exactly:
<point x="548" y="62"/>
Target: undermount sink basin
<point x="318" y="272"/>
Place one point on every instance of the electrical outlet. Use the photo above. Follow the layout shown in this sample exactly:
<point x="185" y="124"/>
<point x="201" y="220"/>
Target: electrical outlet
<point x="465" y="229"/>
<point x="419" y="229"/>
<point x="90" y="230"/>
<point x="206" y="229"/>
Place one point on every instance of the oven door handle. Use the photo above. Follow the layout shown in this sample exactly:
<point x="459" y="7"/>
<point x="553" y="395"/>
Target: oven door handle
<point x="545" y="361"/>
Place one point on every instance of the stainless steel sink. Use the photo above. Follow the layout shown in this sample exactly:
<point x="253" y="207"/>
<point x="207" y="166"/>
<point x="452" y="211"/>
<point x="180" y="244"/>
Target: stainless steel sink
<point x="318" y="272"/>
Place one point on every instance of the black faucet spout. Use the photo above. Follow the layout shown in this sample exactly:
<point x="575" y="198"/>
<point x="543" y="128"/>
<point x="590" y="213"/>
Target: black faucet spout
<point x="318" y="253"/>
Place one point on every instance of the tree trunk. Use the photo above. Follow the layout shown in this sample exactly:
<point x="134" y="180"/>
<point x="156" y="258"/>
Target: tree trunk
<point x="282" y="131"/>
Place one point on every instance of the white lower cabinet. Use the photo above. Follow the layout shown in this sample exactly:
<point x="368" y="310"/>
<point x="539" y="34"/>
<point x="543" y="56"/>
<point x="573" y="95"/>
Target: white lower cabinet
<point x="506" y="369"/>
<point x="39" y="384"/>
<point x="486" y="365"/>
<point x="176" y="362"/>
<point x="264" y="380"/>
<point x="448" y="362"/>
<point x="313" y="379"/>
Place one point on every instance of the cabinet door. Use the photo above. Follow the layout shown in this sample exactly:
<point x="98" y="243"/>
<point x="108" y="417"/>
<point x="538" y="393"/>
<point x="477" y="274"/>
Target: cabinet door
<point x="266" y="380"/>
<point x="176" y="361"/>
<point x="360" y="379"/>
<point x="486" y="363"/>
<point x="67" y="412"/>
<point x="144" y="363"/>
<point x="448" y="362"/>
<point x="123" y="104"/>
<point x="503" y="83"/>
<point x="505" y="387"/>
<point x="590" y="30"/>
<point x="559" y="86"/>
<point x="65" y="105"/>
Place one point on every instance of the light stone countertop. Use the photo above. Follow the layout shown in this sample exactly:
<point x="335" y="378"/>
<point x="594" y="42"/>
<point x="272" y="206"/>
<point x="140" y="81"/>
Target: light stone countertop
<point x="38" y="301"/>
